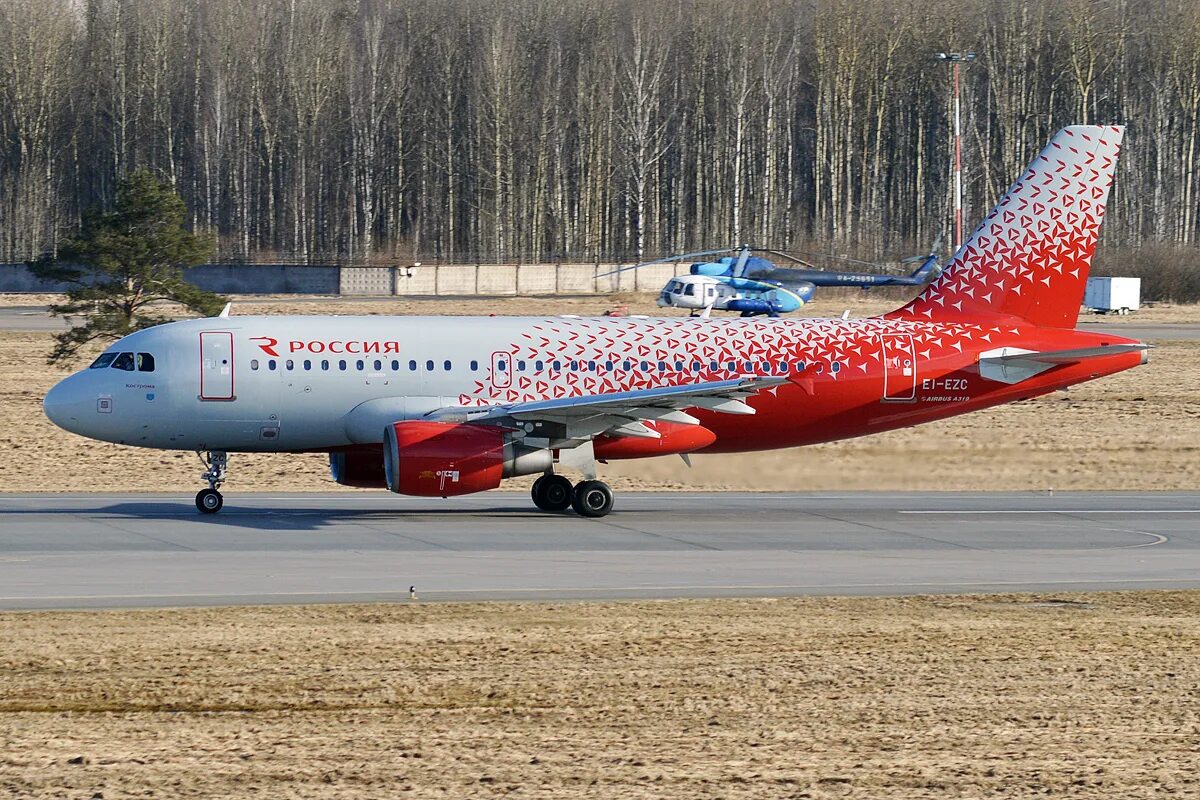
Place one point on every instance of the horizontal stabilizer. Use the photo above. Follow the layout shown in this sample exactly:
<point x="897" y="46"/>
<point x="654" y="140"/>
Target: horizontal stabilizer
<point x="1013" y="365"/>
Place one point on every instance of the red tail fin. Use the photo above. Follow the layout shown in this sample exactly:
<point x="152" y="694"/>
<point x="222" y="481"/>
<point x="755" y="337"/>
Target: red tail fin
<point x="1030" y="257"/>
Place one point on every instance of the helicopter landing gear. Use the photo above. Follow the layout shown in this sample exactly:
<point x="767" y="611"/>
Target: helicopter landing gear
<point x="210" y="501"/>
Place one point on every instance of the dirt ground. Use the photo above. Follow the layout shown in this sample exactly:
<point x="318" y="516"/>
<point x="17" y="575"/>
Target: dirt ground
<point x="1136" y="430"/>
<point x="1082" y="696"/>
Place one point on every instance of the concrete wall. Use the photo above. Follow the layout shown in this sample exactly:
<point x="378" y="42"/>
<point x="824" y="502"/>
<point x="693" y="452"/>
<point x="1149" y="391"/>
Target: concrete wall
<point x="266" y="278"/>
<point x="425" y="280"/>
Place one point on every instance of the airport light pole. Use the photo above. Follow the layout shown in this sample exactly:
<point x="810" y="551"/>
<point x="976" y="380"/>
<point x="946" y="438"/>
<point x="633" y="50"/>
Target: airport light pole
<point x="956" y="60"/>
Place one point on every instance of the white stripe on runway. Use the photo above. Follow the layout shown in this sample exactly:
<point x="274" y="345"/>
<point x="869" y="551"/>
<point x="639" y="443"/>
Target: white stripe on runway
<point x="1061" y="511"/>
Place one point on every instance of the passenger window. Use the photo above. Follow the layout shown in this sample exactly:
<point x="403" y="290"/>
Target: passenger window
<point x="837" y="366"/>
<point x="557" y="365"/>
<point x="412" y="366"/>
<point x="690" y="290"/>
<point x="446" y="365"/>
<point x="429" y="366"/>
<point x="474" y="366"/>
<point x="521" y="365"/>
<point x="539" y="365"/>
<point x="324" y="364"/>
<point x="628" y="366"/>
<point x="271" y="364"/>
<point x="307" y="364"/>
<point x="662" y="366"/>
<point x="145" y="362"/>
<point x="103" y="361"/>
<point x="378" y="365"/>
<point x="395" y="365"/>
<point x="783" y="366"/>
<point x="124" y="361"/>
<point x="254" y="363"/>
<point x="714" y="366"/>
<point x="749" y="366"/>
<point x="696" y="366"/>
<point x="574" y="365"/>
<point x="342" y="365"/>
<point x="799" y="366"/>
<point x="645" y="366"/>
<point x="679" y="366"/>
<point x="608" y="365"/>
<point x="500" y="365"/>
<point x="289" y="364"/>
<point x="360" y="365"/>
<point x="732" y="366"/>
<point x="592" y="366"/>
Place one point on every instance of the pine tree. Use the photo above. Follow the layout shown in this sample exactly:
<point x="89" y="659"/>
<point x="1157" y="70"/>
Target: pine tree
<point x="123" y="263"/>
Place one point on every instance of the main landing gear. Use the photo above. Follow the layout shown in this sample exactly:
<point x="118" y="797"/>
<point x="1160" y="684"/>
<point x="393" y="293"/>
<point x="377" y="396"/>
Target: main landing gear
<point x="209" y="501"/>
<point x="588" y="498"/>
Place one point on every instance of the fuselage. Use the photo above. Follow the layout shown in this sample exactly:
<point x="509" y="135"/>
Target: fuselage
<point x="295" y="384"/>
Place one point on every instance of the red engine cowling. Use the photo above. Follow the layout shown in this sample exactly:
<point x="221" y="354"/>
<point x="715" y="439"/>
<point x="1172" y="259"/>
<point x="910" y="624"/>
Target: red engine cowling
<point x="440" y="459"/>
<point x="362" y="469"/>
<point x="673" y="438"/>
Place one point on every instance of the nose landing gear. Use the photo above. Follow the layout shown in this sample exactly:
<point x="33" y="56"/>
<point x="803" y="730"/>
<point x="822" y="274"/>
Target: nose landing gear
<point x="588" y="498"/>
<point x="209" y="501"/>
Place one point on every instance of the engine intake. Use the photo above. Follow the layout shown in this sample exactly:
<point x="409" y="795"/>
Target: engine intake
<point x="441" y="459"/>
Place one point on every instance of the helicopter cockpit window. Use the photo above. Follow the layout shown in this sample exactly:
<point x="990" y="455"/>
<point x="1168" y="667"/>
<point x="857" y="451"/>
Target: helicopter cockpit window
<point x="690" y="290"/>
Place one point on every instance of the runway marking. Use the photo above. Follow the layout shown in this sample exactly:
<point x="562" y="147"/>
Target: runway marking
<point x="1059" y="511"/>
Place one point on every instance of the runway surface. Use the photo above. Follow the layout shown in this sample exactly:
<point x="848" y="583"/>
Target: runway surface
<point x="92" y="551"/>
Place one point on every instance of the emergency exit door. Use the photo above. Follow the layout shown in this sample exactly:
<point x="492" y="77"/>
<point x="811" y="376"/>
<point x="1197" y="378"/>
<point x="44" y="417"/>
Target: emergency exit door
<point x="216" y="365"/>
<point x="899" y="368"/>
<point x="501" y="370"/>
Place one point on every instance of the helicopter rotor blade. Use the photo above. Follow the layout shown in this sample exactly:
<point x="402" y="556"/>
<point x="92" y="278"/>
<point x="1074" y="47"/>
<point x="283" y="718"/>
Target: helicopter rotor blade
<point x="668" y="260"/>
<point x="788" y="256"/>
<point x="845" y="258"/>
<point x="740" y="267"/>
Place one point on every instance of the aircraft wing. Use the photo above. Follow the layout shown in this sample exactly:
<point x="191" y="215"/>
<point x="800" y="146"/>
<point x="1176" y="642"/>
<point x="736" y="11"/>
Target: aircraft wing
<point x="572" y="420"/>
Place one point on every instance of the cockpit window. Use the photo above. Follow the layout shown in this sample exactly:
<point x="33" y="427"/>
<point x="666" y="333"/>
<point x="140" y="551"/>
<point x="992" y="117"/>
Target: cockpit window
<point x="103" y="361"/>
<point x="145" y="362"/>
<point x="124" y="361"/>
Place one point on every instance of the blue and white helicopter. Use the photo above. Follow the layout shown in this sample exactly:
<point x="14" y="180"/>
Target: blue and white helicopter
<point x="753" y="286"/>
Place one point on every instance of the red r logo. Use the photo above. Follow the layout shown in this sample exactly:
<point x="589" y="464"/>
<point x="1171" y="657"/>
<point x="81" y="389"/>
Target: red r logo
<point x="266" y="344"/>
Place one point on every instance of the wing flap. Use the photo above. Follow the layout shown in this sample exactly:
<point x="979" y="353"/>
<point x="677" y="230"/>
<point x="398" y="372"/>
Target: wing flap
<point x="620" y="413"/>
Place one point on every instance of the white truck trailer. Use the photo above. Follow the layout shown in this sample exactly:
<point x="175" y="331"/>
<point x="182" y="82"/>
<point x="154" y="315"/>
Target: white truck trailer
<point x="1113" y="295"/>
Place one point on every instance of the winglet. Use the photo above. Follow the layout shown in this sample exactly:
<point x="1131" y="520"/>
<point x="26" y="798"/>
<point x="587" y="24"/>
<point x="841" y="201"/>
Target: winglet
<point x="225" y="310"/>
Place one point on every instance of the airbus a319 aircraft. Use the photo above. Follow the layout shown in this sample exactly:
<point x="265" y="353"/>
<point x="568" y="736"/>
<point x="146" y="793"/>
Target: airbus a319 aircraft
<point x="439" y="406"/>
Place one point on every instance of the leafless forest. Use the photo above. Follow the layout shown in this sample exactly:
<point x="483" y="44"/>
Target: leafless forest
<point x="374" y="130"/>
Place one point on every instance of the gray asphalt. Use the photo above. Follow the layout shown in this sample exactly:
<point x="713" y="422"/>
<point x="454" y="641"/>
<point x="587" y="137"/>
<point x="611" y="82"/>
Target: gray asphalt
<point x="94" y="551"/>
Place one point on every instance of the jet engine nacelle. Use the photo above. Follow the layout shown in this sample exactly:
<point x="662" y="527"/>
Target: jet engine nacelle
<point x="440" y="459"/>
<point x="360" y="469"/>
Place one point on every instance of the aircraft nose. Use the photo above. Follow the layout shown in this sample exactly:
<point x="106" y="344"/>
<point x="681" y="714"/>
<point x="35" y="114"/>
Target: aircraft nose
<point x="64" y="403"/>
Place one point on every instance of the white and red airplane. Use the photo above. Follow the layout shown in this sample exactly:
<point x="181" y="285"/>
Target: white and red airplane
<point x="439" y="406"/>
